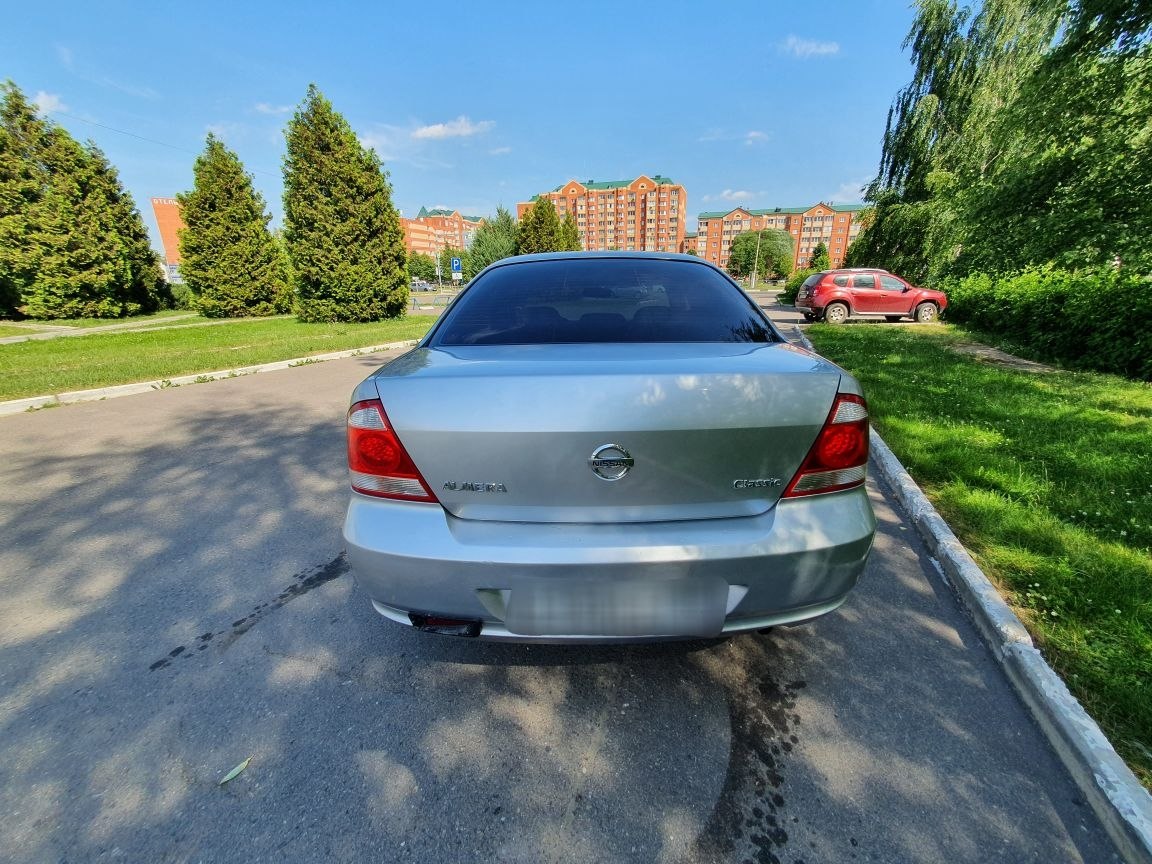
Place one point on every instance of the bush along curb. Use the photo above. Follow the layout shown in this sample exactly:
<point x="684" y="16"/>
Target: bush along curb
<point x="16" y="406"/>
<point x="1121" y="803"/>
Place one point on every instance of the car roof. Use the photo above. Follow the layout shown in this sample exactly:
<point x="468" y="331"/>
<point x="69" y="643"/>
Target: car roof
<point x="604" y="256"/>
<point x="560" y="256"/>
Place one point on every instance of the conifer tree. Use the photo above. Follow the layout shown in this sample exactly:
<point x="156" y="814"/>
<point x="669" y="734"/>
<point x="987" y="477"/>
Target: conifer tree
<point x="494" y="240"/>
<point x="229" y="259"/>
<point x="540" y="229"/>
<point x="80" y="271"/>
<point x="569" y="236"/>
<point x="343" y="233"/>
<point x="144" y="289"/>
<point x="22" y="187"/>
<point x="71" y="240"/>
<point x="820" y="259"/>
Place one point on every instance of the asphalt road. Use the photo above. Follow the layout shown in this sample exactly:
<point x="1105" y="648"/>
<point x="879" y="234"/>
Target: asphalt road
<point x="174" y="600"/>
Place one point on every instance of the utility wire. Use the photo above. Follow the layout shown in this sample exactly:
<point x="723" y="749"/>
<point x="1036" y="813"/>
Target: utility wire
<point x="149" y="140"/>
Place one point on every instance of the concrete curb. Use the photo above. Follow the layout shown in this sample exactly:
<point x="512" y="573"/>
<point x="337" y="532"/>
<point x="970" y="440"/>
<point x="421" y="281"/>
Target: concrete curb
<point x="16" y="406"/>
<point x="1122" y="804"/>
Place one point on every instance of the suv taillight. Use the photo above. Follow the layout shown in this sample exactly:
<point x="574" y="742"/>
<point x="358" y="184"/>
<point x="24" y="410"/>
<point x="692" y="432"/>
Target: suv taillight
<point x="377" y="461"/>
<point x="839" y="457"/>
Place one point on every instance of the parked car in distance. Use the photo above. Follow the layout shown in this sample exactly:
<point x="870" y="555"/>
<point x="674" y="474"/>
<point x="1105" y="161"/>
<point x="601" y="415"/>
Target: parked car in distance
<point x="606" y="447"/>
<point x="422" y="285"/>
<point x="837" y="295"/>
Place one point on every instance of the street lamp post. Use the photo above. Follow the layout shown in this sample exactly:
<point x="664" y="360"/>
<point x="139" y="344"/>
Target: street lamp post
<point x="756" y="262"/>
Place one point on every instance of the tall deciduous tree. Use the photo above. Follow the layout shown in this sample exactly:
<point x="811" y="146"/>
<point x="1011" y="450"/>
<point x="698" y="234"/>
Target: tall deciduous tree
<point x="774" y="259"/>
<point x="495" y="239"/>
<point x="229" y="259"/>
<point x="820" y="260"/>
<point x="421" y="266"/>
<point x="967" y="67"/>
<point x="568" y="238"/>
<point x="343" y="233"/>
<point x="540" y="228"/>
<point x="444" y="259"/>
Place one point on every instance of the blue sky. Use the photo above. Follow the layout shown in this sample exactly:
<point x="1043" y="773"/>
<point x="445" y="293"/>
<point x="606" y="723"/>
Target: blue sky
<point x="477" y="104"/>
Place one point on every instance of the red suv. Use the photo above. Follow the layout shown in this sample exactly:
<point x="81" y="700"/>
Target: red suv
<point x="834" y="295"/>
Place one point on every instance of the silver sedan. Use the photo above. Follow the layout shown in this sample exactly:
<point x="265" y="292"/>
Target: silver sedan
<point x="606" y="447"/>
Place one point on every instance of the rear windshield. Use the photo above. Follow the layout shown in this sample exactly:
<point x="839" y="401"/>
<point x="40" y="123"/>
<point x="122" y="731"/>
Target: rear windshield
<point x="601" y="300"/>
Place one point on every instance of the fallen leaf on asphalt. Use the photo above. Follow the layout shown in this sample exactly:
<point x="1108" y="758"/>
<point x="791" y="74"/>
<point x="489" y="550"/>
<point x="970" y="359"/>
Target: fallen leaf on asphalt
<point x="235" y="772"/>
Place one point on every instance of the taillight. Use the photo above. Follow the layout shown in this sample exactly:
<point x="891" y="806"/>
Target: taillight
<point x="377" y="461"/>
<point x="839" y="457"/>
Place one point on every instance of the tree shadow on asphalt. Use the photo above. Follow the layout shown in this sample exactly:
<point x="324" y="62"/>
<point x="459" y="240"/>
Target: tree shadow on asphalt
<point x="219" y="536"/>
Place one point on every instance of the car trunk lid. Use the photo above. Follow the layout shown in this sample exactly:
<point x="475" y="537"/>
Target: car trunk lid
<point x="608" y="433"/>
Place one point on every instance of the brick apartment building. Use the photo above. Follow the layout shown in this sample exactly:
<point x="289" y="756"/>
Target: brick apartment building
<point x="170" y="223"/>
<point x="647" y="213"/>
<point x="434" y="230"/>
<point x="836" y="225"/>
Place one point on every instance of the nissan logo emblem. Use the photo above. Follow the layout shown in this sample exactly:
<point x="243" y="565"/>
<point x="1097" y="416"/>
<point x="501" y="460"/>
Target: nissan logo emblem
<point x="611" y="462"/>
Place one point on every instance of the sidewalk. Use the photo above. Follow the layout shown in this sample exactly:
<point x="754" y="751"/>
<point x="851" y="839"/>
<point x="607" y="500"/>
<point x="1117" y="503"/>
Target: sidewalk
<point x="57" y="331"/>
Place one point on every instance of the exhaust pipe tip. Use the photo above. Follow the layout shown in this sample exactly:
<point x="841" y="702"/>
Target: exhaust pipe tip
<point x="470" y="627"/>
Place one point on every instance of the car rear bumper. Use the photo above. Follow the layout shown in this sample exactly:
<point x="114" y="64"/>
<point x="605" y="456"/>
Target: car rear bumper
<point x="705" y="577"/>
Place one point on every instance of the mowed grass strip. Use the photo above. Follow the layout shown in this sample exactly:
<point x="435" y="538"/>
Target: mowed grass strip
<point x="1047" y="480"/>
<point x="103" y="359"/>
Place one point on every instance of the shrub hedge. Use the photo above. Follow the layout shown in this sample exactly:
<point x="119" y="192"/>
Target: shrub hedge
<point x="1099" y="320"/>
<point x="792" y="286"/>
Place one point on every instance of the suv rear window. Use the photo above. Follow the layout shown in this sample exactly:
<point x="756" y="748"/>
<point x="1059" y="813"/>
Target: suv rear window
<point x="579" y="300"/>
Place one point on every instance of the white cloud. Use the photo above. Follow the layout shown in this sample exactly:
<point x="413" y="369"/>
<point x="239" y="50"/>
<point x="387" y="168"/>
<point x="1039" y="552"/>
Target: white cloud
<point x="46" y="103"/>
<point x="805" y="48"/>
<point x="850" y="192"/>
<point x="64" y="55"/>
<point x="396" y="144"/>
<point x="733" y="195"/>
<point x="461" y="127"/>
<point x="265" y="108"/>
<point x="499" y="151"/>
<point x="752" y="136"/>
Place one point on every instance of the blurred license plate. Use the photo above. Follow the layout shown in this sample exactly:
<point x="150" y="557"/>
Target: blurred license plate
<point x="676" y="607"/>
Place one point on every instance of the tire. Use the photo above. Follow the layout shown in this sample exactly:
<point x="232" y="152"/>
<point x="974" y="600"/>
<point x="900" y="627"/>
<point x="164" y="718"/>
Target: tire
<point x="927" y="313"/>
<point x="892" y="318"/>
<point x="836" y="313"/>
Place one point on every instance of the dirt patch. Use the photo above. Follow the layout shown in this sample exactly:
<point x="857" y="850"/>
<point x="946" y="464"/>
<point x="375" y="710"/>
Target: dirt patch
<point x="997" y="357"/>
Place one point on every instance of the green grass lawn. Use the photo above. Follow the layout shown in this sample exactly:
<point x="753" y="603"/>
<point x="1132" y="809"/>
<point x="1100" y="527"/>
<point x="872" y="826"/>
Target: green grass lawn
<point x="9" y="330"/>
<point x="102" y="359"/>
<point x="1047" y="480"/>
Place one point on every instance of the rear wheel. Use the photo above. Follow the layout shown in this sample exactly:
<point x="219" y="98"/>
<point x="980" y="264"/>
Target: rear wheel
<point x="926" y="313"/>
<point x="835" y="313"/>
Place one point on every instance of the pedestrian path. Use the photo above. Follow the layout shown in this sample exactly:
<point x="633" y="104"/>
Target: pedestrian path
<point x="56" y="331"/>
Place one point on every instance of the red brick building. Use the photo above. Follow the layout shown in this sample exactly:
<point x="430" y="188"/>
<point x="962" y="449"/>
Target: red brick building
<point x="170" y="223"/>
<point x="836" y="225"/>
<point x="647" y="213"/>
<point x="434" y="230"/>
